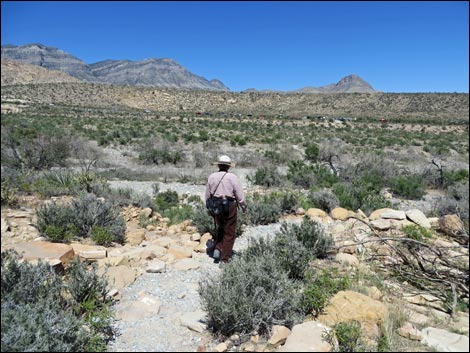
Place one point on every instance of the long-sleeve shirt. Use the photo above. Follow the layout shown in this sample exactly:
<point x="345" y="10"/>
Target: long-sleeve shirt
<point x="230" y="186"/>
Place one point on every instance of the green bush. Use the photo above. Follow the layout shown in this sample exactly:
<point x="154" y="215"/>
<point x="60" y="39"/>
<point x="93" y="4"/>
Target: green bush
<point x="101" y="236"/>
<point x="40" y="310"/>
<point x="56" y="222"/>
<point x="311" y="234"/>
<point x="250" y="295"/>
<point x="408" y="186"/>
<point x="262" y="211"/>
<point x="301" y="174"/>
<point x="323" y="199"/>
<point x="8" y="194"/>
<point x="320" y="287"/>
<point x="166" y="199"/>
<point x="355" y="196"/>
<point x="89" y="211"/>
<point x="160" y="156"/>
<point x="62" y="222"/>
<point x="312" y="152"/>
<point x="267" y="176"/>
<point x="348" y="335"/>
<point x="416" y="232"/>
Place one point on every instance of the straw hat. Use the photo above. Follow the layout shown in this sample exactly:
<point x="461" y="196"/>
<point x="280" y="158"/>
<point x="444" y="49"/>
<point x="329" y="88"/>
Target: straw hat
<point x="225" y="160"/>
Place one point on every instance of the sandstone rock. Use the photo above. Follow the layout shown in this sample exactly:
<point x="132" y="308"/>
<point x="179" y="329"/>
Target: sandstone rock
<point x="307" y="337"/>
<point x="156" y="266"/>
<point x="180" y="252"/>
<point x="374" y="293"/>
<point x="194" y="320"/>
<point x="195" y="237"/>
<point x="381" y="224"/>
<point x="377" y="213"/>
<point x="5" y="226"/>
<point x="279" y="335"/>
<point x="186" y="265"/>
<point x="425" y="300"/>
<point x="300" y="211"/>
<point x="451" y="225"/>
<point x="89" y="252"/>
<point x="221" y="347"/>
<point x="164" y="241"/>
<point x="418" y="217"/>
<point x="146" y="212"/>
<point x="36" y="250"/>
<point x="444" y="341"/>
<point x="393" y="214"/>
<point x="119" y="276"/>
<point x="348" y="305"/>
<point x="113" y="261"/>
<point x="135" y="237"/>
<point x="340" y="213"/>
<point x="136" y="311"/>
<point x="347" y="259"/>
<point x="316" y="212"/>
<point x="409" y="331"/>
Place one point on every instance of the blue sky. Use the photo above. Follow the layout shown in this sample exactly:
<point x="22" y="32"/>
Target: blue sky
<point x="401" y="46"/>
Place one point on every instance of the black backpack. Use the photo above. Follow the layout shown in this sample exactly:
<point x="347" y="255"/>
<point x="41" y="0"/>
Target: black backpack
<point x="217" y="206"/>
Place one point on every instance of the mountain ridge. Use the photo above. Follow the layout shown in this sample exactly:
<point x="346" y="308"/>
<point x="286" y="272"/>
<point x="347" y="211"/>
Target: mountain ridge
<point x="150" y="72"/>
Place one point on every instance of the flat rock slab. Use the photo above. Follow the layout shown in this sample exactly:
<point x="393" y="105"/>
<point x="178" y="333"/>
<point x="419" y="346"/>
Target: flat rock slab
<point x="444" y="341"/>
<point x="36" y="250"/>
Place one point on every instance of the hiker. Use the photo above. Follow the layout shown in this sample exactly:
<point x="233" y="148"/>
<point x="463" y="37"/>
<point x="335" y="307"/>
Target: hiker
<point x="223" y="196"/>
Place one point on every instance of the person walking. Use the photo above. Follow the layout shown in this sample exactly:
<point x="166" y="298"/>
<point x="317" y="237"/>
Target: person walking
<point x="224" y="189"/>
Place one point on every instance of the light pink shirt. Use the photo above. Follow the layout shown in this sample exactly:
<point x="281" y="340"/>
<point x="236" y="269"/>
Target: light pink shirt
<point x="230" y="186"/>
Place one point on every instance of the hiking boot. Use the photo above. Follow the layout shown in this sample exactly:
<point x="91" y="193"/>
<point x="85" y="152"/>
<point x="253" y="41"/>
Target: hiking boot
<point x="216" y="255"/>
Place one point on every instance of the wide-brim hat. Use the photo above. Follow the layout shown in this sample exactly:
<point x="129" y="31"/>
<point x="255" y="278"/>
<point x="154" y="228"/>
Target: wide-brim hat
<point x="225" y="160"/>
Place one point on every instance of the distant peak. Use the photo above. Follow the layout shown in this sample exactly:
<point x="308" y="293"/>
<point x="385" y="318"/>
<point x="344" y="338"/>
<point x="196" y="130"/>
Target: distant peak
<point x="350" y="78"/>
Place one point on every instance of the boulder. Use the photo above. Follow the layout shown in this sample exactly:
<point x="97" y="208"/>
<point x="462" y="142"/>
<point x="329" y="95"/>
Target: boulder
<point x="348" y="305"/>
<point x="418" y="217"/>
<point x="307" y="337"/>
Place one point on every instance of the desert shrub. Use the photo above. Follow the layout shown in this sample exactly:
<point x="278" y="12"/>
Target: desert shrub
<point x="28" y="148"/>
<point x="178" y="214"/>
<point x="250" y="295"/>
<point x="101" y="236"/>
<point x="323" y="199"/>
<point x="202" y="220"/>
<point x="126" y="196"/>
<point x="262" y="211"/>
<point x="166" y="199"/>
<point x="323" y="176"/>
<point x="312" y="152"/>
<point x="456" y="202"/>
<point x="61" y="223"/>
<point x="89" y="211"/>
<point x="320" y="287"/>
<point x="355" y="196"/>
<point x="40" y="311"/>
<point x="267" y="176"/>
<point x="301" y="174"/>
<point x="455" y="177"/>
<point x="414" y="231"/>
<point x="311" y="234"/>
<point x="292" y="254"/>
<point x="56" y="222"/>
<point x="348" y="335"/>
<point x="160" y="155"/>
<point x="408" y="186"/>
<point x="8" y="194"/>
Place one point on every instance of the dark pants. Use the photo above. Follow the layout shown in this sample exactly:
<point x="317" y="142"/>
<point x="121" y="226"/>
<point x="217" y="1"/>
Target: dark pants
<point x="226" y="225"/>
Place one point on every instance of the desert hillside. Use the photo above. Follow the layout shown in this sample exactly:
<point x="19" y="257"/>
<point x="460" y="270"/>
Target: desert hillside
<point x="445" y="106"/>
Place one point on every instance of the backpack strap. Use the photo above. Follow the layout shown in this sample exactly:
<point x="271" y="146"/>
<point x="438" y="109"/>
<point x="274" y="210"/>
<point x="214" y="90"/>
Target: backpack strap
<point x="213" y="193"/>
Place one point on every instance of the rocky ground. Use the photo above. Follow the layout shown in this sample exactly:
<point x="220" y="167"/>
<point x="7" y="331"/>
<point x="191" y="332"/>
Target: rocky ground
<point x="155" y="279"/>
